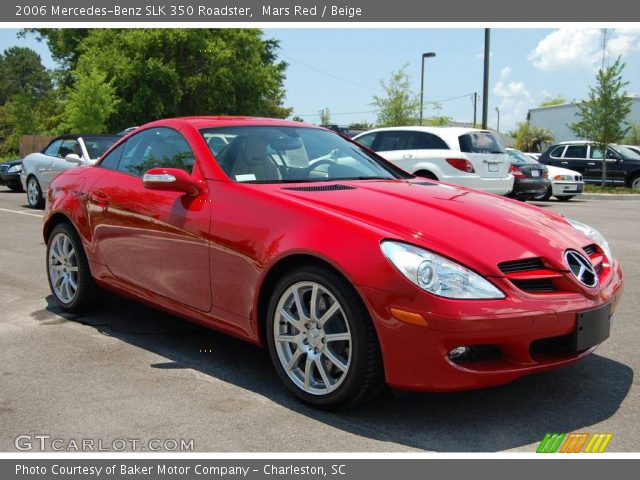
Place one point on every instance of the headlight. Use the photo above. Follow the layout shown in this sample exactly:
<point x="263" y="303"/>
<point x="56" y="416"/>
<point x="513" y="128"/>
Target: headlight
<point x="595" y="236"/>
<point x="563" y="178"/>
<point x="436" y="274"/>
<point x="15" y="169"/>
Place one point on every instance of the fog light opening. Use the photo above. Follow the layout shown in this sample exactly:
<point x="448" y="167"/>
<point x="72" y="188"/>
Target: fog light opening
<point x="458" y="353"/>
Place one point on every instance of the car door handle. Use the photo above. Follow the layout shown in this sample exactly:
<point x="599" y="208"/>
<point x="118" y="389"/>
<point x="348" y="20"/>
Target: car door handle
<point x="99" y="198"/>
<point x="591" y="164"/>
<point x="564" y="163"/>
<point x="408" y="155"/>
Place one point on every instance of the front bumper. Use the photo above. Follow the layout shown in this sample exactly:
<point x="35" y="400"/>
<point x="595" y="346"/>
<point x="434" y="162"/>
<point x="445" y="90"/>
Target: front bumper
<point x="567" y="188"/>
<point x="10" y="179"/>
<point x="416" y="357"/>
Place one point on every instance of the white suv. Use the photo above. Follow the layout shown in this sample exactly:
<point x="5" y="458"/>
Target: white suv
<point x="462" y="156"/>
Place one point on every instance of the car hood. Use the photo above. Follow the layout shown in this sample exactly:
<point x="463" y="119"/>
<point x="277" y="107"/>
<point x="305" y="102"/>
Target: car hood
<point x="477" y="229"/>
<point x="560" y="171"/>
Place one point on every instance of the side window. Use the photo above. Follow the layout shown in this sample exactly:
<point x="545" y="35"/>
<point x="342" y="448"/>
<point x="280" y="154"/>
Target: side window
<point x="557" y="152"/>
<point x="576" y="151"/>
<point x="426" y="141"/>
<point x="112" y="160"/>
<point x="391" y="140"/>
<point x="367" y="140"/>
<point x="52" y="148"/>
<point x="156" y="148"/>
<point x="69" y="146"/>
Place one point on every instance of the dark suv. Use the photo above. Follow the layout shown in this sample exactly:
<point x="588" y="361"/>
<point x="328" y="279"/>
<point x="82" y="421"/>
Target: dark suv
<point x="623" y="164"/>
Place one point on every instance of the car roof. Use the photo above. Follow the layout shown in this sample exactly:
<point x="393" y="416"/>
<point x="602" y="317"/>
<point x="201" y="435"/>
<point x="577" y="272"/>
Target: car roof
<point x="448" y="134"/>
<point x="228" y="121"/>
<point x="75" y="136"/>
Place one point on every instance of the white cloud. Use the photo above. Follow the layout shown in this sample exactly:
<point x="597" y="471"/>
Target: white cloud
<point x="514" y="100"/>
<point x="582" y="48"/>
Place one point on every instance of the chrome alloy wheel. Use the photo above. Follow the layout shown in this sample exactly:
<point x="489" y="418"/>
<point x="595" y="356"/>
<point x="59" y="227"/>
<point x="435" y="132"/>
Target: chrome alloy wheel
<point x="63" y="268"/>
<point x="636" y="183"/>
<point x="32" y="191"/>
<point x="312" y="338"/>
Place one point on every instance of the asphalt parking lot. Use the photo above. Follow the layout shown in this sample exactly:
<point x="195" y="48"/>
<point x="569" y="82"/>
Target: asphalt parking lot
<point x="128" y="371"/>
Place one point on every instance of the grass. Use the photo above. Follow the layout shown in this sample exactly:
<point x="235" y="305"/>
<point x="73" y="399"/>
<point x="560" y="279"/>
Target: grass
<point x="589" y="188"/>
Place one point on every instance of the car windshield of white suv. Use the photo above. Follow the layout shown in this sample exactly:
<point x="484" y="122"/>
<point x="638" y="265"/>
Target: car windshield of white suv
<point x="257" y="154"/>
<point x="96" y="146"/>
<point x="480" y="142"/>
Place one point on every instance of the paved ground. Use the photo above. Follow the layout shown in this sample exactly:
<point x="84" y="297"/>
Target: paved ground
<point x="129" y="371"/>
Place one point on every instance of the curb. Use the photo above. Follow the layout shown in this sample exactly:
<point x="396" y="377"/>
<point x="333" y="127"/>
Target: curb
<point x="608" y="196"/>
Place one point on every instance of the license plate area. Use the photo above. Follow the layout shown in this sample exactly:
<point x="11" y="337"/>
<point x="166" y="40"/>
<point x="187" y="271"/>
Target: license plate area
<point x="535" y="173"/>
<point x="494" y="167"/>
<point x="592" y="327"/>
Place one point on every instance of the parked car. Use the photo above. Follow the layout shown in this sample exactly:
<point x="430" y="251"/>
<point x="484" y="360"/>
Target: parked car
<point x="531" y="177"/>
<point x="62" y="153"/>
<point x="633" y="148"/>
<point x="623" y="164"/>
<point x="10" y="175"/>
<point x="461" y="156"/>
<point x="349" y="270"/>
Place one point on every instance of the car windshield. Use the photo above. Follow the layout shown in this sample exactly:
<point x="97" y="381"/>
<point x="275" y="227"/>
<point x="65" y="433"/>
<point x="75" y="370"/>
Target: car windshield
<point x="626" y="152"/>
<point x="263" y="154"/>
<point x="480" y="142"/>
<point x="518" y="157"/>
<point x="96" y="146"/>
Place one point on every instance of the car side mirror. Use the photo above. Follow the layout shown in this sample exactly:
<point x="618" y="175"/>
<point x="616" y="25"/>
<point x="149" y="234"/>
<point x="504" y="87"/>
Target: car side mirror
<point x="73" y="158"/>
<point x="170" y="179"/>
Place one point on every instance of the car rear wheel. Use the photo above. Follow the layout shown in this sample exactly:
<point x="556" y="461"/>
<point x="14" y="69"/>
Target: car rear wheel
<point x="545" y="196"/>
<point x="564" y="198"/>
<point x="322" y="341"/>
<point x="635" y="182"/>
<point x="34" y="193"/>
<point x="68" y="270"/>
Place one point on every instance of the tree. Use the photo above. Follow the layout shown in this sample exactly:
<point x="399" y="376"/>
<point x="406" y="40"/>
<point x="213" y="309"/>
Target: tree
<point x="91" y="102"/>
<point x="551" y="101"/>
<point x="439" y="121"/>
<point x="399" y="106"/>
<point x="633" y="136"/>
<point x="160" y="73"/>
<point x="21" y="70"/>
<point x="531" y="139"/>
<point x="602" y="116"/>
<point x="296" y="118"/>
<point x="325" y="116"/>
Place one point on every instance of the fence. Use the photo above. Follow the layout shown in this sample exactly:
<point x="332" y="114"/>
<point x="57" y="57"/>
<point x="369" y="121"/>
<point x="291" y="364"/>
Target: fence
<point x="33" y="143"/>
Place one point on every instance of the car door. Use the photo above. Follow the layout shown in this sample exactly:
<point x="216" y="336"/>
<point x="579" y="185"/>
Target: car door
<point x="554" y="158"/>
<point x="575" y="158"/>
<point x="44" y="163"/>
<point x="60" y="164"/>
<point x="392" y="145"/>
<point x="614" y="173"/>
<point x="155" y="240"/>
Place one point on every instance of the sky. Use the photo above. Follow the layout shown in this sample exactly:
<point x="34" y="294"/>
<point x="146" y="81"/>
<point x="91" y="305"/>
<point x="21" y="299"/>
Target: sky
<point x="341" y="68"/>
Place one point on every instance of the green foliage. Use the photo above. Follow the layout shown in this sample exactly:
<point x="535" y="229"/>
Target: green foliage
<point x="551" y="101"/>
<point x="297" y="119"/>
<point x="91" y="102"/>
<point x="531" y="139"/>
<point x="325" y="116"/>
<point x="399" y="106"/>
<point x="602" y="116"/>
<point x="361" y="125"/>
<point x="21" y="70"/>
<point x="633" y="136"/>
<point x="438" y="121"/>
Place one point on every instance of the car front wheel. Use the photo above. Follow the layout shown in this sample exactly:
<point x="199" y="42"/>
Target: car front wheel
<point x="545" y="196"/>
<point x="34" y="193"/>
<point x="322" y="341"/>
<point x="68" y="270"/>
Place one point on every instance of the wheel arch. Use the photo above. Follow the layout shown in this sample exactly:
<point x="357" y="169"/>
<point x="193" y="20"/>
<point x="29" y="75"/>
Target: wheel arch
<point x="51" y="222"/>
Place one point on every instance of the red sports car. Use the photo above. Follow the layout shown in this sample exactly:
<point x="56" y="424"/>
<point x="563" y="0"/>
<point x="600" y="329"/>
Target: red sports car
<point x="350" y="271"/>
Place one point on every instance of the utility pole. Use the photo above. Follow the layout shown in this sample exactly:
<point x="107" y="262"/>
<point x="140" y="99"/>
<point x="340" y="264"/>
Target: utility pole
<point x="498" y="126"/>
<point x="475" y="108"/>
<point x="424" y="56"/>
<point x="485" y="86"/>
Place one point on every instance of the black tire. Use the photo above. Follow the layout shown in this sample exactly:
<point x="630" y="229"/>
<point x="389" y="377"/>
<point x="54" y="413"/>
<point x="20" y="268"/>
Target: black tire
<point x="364" y="378"/>
<point x="37" y="201"/>
<point x="634" y="180"/>
<point x="564" y="198"/>
<point x="16" y="188"/>
<point x="545" y="196"/>
<point x="86" y="288"/>
<point x="426" y="174"/>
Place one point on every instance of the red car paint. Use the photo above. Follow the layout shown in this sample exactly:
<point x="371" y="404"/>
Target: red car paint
<point x="205" y="257"/>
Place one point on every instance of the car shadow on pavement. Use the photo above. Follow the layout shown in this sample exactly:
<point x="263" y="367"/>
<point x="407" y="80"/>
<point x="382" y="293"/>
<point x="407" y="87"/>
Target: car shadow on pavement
<point x="569" y="399"/>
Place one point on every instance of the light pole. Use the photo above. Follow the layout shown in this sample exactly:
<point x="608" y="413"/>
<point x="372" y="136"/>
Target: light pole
<point x="424" y="55"/>
<point x="498" y="126"/>
<point x="485" y="86"/>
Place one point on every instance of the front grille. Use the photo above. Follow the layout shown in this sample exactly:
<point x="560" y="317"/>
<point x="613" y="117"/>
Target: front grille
<point x="551" y="345"/>
<point x="590" y="249"/>
<point x="526" y="265"/>
<point x="320" y="188"/>
<point x="4" y="168"/>
<point x="578" y="178"/>
<point x="544" y="285"/>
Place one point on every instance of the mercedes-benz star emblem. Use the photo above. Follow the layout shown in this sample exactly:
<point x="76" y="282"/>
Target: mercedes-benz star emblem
<point x="581" y="268"/>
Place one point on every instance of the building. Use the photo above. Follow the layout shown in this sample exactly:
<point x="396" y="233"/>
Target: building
<point x="557" y="118"/>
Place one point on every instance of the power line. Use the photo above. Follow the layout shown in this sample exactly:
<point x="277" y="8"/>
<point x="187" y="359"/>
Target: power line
<point x="337" y="77"/>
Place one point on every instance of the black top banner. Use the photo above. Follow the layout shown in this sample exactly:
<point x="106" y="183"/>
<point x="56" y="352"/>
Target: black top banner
<point x="350" y="11"/>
